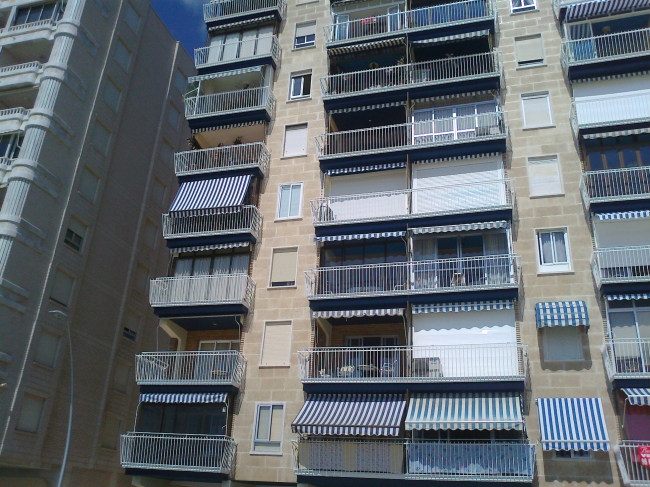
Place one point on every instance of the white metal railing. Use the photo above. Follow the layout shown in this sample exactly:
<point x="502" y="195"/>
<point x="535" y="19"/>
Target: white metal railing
<point x="459" y="68"/>
<point x="615" y="185"/>
<point x="434" y="363"/>
<point x="410" y="20"/>
<point x="435" y="200"/>
<point x="413" y="459"/>
<point x="245" y="219"/>
<point x="31" y="25"/>
<point x="230" y="102"/>
<point x="31" y="66"/>
<point x="603" y="112"/>
<point x="621" y="264"/>
<point x="229" y="52"/>
<point x="190" y="368"/>
<point x="415" y="277"/>
<point x="223" y="9"/>
<point x="628" y="457"/>
<point x="442" y="131"/>
<point x="607" y="47"/>
<point x="173" y="451"/>
<point x="11" y="112"/>
<point x="202" y="290"/>
<point x="627" y="358"/>
<point x="242" y="156"/>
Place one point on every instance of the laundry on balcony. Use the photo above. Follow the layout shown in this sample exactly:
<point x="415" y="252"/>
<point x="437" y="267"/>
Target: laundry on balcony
<point x="201" y="248"/>
<point x="465" y="227"/>
<point x="637" y="396"/>
<point x="195" y="398"/>
<point x="210" y="196"/>
<point x="457" y="307"/>
<point x="562" y="313"/>
<point x="358" y="313"/>
<point x="359" y="236"/>
<point x="623" y="215"/>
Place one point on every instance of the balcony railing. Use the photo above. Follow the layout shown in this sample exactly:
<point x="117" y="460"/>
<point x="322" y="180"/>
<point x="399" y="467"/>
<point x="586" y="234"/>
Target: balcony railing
<point x="627" y="358"/>
<point x="413" y="459"/>
<point x="633" y="472"/>
<point x="223" y="9"/>
<point x="230" y="102"/>
<point x="410" y="203"/>
<point x="232" y="157"/>
<point x="202" y="290"/>
<point x="416" y="277"/>
<point x="454" y="69"/>
<point x="604" y="112"/>
<point x="246" y="219"/>
<point x="406" y="364"/>
<point x="19" y="68"/>
<point x="184" y="452"/>
<point x="411" y="20"/>
<point x="621" y="264"/>
<point x="190" y="368"/>
<point x="14" y="29"/>
<point x="230" y="52"/>
<point x="606" y="48"/>
<point x="628" y="183"/>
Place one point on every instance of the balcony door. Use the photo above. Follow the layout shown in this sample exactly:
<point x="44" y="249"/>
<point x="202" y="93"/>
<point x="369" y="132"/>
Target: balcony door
<point x="630" y="329"/>
<point x="375" y="361"/>
<point x="214" y="367"/>
<point x="341" y="27"/>
<point x="449" y="123"/>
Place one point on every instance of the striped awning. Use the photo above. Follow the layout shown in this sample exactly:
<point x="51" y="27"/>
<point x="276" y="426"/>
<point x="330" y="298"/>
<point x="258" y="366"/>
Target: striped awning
<point x="351" y="414"/>
<point x="623" y="215"/>
<point x="225" y="74"/>
<point x="455" y="37"/>
<point x="467" y="94"/>
<point x="200" y="248"/>
<point x="358" y="313"/>
<point x="373" y="168"/>
<point x="211" y="194"/>
<point x="610" y="77"/>
<point x="617" y="133"/>
<point x="601" y="7"/>
<point x="217" y="126"/>
<point x="637" y="396"/>
<point x="627" y="297"/>
<point x="465" y="411"/>
<point x="366" y="46"/>
<point x="229" y="25"/>
<point x="196" y="398"/>
<point x="457" y="307"/>
<point x="377" y="106"/>
<point x="572" y="423"/>
<point x="465" y="227"/>
<point x="562" y="313"/>
<point x="359" y="236"/>
<point x="458" y="158"/>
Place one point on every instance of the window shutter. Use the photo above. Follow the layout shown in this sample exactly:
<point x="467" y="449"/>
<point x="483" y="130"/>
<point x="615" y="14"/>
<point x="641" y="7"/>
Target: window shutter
<point x="131" y="17"/>
<point x="544" y="177"/>
<point x="62" y="288"/>
<point x="30" y="413"/>
<point x="283" y="268"/>
<point x="562" y="343"/>
<point x="121" y="377"/>
<point x="88" y="185"/>
<point x="529" y="50"/>
<point x="77" y="227"/>
<point x="276" y="344"/>
<point x="101" y="138"/>
<point x="295" y="141"/>
<point x="122" y="55"/>
<point x="48" y="347"/>
<point x="306" y="29"/>
<point x="110" y="432"/>
<point x="537" y="111"/>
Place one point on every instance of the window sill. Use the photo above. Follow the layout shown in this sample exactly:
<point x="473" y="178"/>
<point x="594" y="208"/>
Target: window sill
<point x="540" y="127"/>
<point x="269" y="288"/>
<point x="302" y="98"/>
<point x="45" y="367"/>
<point x="293" y="157"/>
<point x="290" y="219"/>
<point x="282" y="366"/>
<point x="554" y="195"/>
<point x="303" y="48"/>
<point x="531" y="66"/>
<point x="521" y="12"/>
<point x="298" y="4"/>
<point x="266" y="453"/>
<point x="541" y="273"/>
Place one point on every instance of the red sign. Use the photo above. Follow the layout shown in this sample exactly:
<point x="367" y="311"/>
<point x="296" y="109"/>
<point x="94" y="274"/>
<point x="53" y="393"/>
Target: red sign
<point x="644" y="455"/>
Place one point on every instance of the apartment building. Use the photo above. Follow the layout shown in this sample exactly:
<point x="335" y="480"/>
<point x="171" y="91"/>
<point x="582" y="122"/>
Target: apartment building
<point x="91" y="97"/>
<point x="410" y="247"/>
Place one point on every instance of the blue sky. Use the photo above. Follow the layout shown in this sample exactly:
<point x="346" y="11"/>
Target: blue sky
<point x="184" y="18"/>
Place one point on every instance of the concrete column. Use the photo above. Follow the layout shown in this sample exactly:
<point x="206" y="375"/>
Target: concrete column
<point x="175" y="331"/>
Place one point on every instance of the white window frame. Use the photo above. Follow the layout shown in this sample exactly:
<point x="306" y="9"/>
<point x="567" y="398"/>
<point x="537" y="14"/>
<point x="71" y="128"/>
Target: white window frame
<point x="273" y="250"/>
<point x="221" y="341"/>
<point x="587" y="455"/>
<point x="306" y="44"/>
<point x="530" y="96"/>
<point x="285" y="365"/>
<point x="254" y="440"/>
<point x="289" y="128"/>
<point x="277" y="211"/>
<point x="559" y="267"/>
<point x="300" y="75"/>
<point x="541" y="62"/>
<point x="524" y="8"/>
<point x="547" y="331"/>
<point x="542" y="159"/>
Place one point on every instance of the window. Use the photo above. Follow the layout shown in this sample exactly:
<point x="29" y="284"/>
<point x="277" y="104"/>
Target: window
<point x="295" y="140"/>
<point x="62" y="288"/>
<point x="150" y="234"/>
<point x="544" y="177"/>
<point x="529" y="51"/>
<point x="305" y="35"/>
<point x="158" y="192"/>
<point x="131" y="18"/>
<point x="110" y="432"/>
<point x="618" y="152"/>
<point x="10" y="145"/>
<point x="269" y="423"/>
<point x="131" y="323"/>
<point x="75" y="234"/>
<point x="180" y="81"/>
<point x="30" y="413"/>
<point x="300" y="86"/>
<point x="214" y="345"/>
<point x="121" y="377"/>
<point x="36" y="13"/>
<point x="629" y="327"/>
<point x="173" y="116"/>
<point x="522" y="5"/>
<point x="167" y="153"/>
<point x="122" y="55"/>
<point x="47" y="349"/>
<point x="553" y="250"/>
<point x="141" y="281"/>
<point x="289" y="200"/>
<point x="101" y="138"/>
<point x="204" y="263"/>
<point x="88" y="184"/>
<point x="562" y="344"/>
<point x="283" y="267"/>
<point x="276" y="344"/>
<point x="573" y="454"/>
<point x="536" y="110"/>
<point x="112" y="95"/>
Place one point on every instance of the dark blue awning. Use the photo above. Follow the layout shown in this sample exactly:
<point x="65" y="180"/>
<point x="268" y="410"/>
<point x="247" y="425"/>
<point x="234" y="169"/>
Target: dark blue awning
<point x="594" y="8"/>
<point x="197" y="398"/>
<point x="638" y="396"/>
<point x="562" y="313"/>
<point x="207" y="195"/>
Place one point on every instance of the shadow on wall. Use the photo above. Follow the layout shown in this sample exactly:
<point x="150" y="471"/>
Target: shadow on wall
<point x="596" y="469"/>
<point x="556" y="344"/>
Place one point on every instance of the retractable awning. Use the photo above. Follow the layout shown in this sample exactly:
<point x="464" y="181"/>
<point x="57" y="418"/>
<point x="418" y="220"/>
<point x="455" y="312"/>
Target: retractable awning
<point x="457" y="307"/>
<point x="465" y="227"/>
<point x="197" y="398"/>
<point x="458" y="158"/>
<point x="199" y="248"/>
<point x="637" y="396"/>
<point x="210" y="195"/>
<point x="373" y="168"/>
<point x="627" y="297"/>
<point x="601" y="7"/>
<point x="455" y="37"/>
<point x="617" y="133"/>
<point x="368" y="46"/>
<point x="358" y="313"/>
<point x="623" y="215"/>
<point x="359" y="236"/>
<point x="562" y="313"/>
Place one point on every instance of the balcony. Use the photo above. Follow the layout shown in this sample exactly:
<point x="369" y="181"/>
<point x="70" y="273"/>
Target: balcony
<point x="32" y="31"/>
<point x="627" y="359"/>
<point x="621" y="266"/>
<point x="12" y="119"/>
<point x="611" y="113"/>
<point x="177" y="452"/>
<point x="456" y="17"/>
<point x="225" y="368"/>
<point x="231" y="55"/>
<point x="415" y="460"/>
<point x="241" y="159"/>
<point x="20" y="75"/>
<point x="570" y="10"/>
<point x="180" y="230"/>
<point x="457" y="74"/>
<point x="613" y="185"/>
<point x="621" y="52"/>
<point x="239" y="106"/>
<point x="229" y="11"/>
<point x="633" y="472"/>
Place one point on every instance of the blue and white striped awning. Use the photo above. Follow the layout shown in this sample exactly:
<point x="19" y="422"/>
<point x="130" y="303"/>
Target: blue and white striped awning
<point x="366" y="46"/>
<point x="255" y="20"/>
<point x="218" y="126"/>
<point x="358" y="313"/>
<point x="469" y="306"/>
<point x="359" y="236"/>
<point x="623" y="215"/>
<point x="562" y="313"/>
<point x="373" y="168"/>
<point x="627" y="297"/>
<point x="610" y="77"/>
<point x="454" y="37"/>
<point x="200" y="248"/>
<point x="377" y="106"/>
<point x="351" y="414"/>
<point x="595" y="8"/>
<point x="467" y="94"/>
<point x="206" y="195"/>
<point x="465" y="411"/>
<point x="465" y="227"/>
<point x="617" y="133"/>
<point x="195" y="398"/>
<point x="572" y="423"/>
<point x="458" y="158"/>
<point x="224" y="74"/>
<point x="637" y="396"/>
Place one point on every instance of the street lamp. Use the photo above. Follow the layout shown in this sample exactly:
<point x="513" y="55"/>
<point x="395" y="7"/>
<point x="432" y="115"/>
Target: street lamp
<point x="61" y="316"/>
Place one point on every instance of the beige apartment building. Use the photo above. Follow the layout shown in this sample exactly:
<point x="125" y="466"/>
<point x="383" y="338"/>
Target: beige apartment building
<point x="91" y="97"/>
<point x="410" y="246"/>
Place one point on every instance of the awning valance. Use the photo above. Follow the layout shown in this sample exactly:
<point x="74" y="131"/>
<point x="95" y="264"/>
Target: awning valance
<point x="373" y="168"/>
<point x="197" y="398"/>
<point x="465" y="227"/>
<point x="351" y="414"/>
<point x="638" y="396"/>
<point x="229" y="25"/>
<point x="467" y="94"/>
<point x="627" y="297"/>
<point x="377" y="106"/>
<point x="359" y="236"/>
<point x="458" y="158"/>
<point x="368" y="46"/>
<point x="456" y="307"/>
<point x="208" y="195"/>
<point x="200" y="248"/>
<point x="562" y="313"/>
<point x="617" y="133"/>
<point x="572" y="423"/>
<point x="623" y="215"/>
<point x="358" y="313"/>
<point x="225" y="74"/>
<point x="227" y="126"/>
<point x="465" y="411"/>
<point x="454" y="37"/>
<point x="595" y="8"/>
